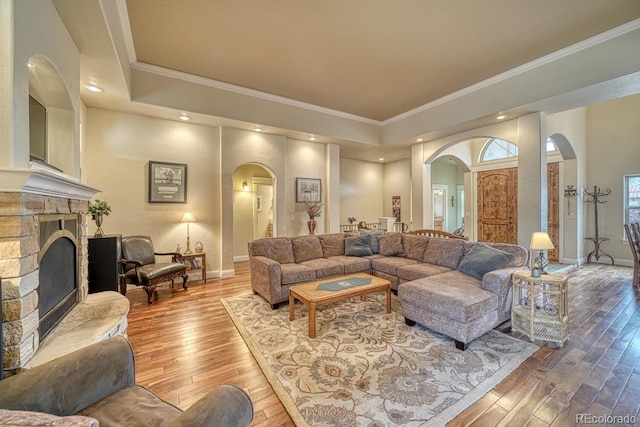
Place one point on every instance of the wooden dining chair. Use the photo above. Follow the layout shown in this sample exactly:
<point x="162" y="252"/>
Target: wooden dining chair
<point x="633" y="235"/>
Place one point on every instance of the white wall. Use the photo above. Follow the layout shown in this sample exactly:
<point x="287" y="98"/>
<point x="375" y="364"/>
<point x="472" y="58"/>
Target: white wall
<point x="361" y="190"/>
<point x="613" y="150"/>
<point x="397" y="182"/>
<point x="117" y="152"/>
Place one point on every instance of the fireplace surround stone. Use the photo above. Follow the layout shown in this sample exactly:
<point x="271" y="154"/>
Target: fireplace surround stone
<point x="25" y="196"/>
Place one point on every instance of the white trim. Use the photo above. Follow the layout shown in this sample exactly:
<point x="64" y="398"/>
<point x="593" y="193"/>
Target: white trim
<point x="241" y="258"/>
<point x="126" y="31"/>
<point x="45" y="183"/>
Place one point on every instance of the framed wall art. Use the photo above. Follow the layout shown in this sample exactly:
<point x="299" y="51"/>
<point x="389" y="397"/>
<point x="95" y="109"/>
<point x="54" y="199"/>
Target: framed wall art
<point x="308" y="190"/>
<point x="167" y="182"/>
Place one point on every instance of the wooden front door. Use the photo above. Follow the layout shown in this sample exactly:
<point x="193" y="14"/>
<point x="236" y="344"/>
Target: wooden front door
<point x="498" y="206"/>
<point x="553" y="209"/>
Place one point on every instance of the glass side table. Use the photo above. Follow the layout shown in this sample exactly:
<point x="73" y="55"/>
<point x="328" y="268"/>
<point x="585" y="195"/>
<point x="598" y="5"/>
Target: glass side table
<point x="539" y="307"/>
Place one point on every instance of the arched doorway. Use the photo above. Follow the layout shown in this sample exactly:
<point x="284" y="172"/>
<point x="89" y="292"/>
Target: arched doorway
<point x="253" y="206"/>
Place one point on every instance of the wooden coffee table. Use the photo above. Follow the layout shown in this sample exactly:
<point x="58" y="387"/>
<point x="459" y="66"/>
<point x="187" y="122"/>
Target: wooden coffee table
<point x="312" y="297"/>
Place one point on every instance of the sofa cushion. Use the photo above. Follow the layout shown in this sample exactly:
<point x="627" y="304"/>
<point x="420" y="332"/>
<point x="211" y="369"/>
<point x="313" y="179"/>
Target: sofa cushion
<point x="296" y="273"/>
<point x="324" y="267"/>
<point x="278" y="249"/>
<point x="420" y="270"/>
<point x="414" y="246"/>
<point x="391" y="244"/>
<point x="453" y="295"/>
<point x="482" y="259"/>
<point x="306" y="248"/>
<point x="375" y="236"/>
<point x="443" y="251"/>
<point x="332" y="244"/>
<point x="132" y="406"/>
<point x="358" y="246"/>
<point x="353" y="264"/>
<point x="391" y="264"/>
<point x="29" y="418"/>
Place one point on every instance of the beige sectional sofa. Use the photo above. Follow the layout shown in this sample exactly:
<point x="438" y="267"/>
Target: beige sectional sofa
<point x="459" y="288"/>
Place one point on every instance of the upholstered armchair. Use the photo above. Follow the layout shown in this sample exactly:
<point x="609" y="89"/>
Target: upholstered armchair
<point x="96" y="384"/>
<point x="139" y="266"/>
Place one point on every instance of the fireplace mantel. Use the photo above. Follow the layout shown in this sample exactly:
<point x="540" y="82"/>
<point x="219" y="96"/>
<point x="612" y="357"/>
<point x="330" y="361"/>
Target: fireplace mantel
<point x="44" y="182"/>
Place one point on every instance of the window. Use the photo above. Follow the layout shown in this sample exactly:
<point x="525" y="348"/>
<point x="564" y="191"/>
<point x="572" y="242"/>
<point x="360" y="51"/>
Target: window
<point x="496" y="149"/>
<point x="631" y="199"/>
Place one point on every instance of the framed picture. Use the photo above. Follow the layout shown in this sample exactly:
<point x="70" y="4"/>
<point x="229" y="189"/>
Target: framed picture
<point x="258" y="203"/>
<point x="308" y="190"/>
<point x="167" y="182"/>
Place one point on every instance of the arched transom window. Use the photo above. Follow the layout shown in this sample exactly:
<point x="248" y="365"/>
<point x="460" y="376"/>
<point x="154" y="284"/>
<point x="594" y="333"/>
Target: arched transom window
<point x="496" y="149"/>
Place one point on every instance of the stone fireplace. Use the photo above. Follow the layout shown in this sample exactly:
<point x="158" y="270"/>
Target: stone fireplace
<point x="43" y="258"/>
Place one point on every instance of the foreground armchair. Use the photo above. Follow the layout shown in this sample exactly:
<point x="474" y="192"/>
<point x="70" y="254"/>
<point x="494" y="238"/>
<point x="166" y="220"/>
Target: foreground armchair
<point x="99" y="382"/>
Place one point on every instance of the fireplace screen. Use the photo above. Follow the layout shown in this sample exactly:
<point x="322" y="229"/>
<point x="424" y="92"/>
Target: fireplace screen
<point x="58" y="269"/>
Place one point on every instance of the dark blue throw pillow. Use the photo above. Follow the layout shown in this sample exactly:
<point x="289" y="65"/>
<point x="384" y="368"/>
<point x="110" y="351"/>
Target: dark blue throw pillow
<point x="482" y="259"/>
<point x="357" y="246"/>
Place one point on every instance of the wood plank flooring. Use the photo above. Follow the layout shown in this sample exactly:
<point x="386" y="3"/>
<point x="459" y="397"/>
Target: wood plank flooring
<point x="186" y="345"/>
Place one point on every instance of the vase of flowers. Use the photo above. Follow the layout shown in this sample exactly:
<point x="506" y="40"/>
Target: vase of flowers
<point x="313" y="209"/>
<point x="99" y="209"/>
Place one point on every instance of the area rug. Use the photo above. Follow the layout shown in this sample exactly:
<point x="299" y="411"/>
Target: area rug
<point x="366" y="367"/>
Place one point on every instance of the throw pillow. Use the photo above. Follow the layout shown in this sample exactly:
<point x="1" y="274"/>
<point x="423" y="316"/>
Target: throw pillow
<point x="482" y="259"/>
<point x="391" y="244"/>
<point x="375" y="236"/>
<point x="357" y="246"/>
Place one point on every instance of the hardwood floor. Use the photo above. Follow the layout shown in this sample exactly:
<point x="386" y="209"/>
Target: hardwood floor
<point x="186" y="345"/>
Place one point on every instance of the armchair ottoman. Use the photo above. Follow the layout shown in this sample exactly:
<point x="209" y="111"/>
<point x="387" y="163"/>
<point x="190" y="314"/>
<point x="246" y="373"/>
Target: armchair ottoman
<point x="99" y="382"/>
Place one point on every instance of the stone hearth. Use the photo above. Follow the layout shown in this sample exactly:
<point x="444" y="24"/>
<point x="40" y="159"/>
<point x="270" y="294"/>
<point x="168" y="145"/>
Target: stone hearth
<point x="25" y="196"/>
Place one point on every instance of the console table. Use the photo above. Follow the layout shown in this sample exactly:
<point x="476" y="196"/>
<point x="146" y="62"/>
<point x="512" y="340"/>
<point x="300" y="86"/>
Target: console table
<point x="539" y="307"/>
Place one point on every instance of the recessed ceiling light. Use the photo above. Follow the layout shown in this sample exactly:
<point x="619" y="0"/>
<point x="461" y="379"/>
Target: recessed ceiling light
<point x="381" y="159"/>
<point x="257" y="129"/>
<point x="501" y="117"/>
<point x="419" y="139"/>
<point x="93" y="88"/>
<point x="184" y="117"/>
<point x="312" y="137"/>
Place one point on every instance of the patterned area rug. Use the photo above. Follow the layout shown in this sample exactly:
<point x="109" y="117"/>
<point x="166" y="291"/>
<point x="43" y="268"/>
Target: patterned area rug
<point x="366" y="367"/>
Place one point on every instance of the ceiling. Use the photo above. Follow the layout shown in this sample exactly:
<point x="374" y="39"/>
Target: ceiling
<point x="372" y="60"/>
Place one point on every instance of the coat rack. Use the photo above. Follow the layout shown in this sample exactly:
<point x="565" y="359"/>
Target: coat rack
<point x="595" y="197"/>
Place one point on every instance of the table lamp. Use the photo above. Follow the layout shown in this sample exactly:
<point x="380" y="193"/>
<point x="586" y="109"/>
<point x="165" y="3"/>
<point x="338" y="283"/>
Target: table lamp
<point x="188" y="217"/>
<point x="540" y="241"/>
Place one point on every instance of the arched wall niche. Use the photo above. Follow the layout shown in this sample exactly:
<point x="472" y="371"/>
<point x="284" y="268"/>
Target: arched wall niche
<point x="51" y="117"/>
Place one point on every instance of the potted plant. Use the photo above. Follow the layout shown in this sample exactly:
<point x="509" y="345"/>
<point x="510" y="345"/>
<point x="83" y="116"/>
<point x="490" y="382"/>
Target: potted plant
<point x="314" y="209"/>
<point x="98" y="209"/>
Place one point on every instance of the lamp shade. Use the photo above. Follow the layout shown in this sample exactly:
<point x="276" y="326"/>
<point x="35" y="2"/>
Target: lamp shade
<point x="540" y="241"/>
<point x="188" y="217"/>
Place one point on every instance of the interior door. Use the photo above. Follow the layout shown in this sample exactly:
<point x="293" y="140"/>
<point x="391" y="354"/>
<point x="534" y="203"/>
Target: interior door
<point x="553" y="209"/>
<point x="439" y="206"/>
<point x="498" y="206"/>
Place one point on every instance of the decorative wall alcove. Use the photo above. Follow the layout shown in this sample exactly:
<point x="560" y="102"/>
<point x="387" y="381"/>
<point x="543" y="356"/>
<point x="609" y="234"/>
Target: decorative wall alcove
<point x="51" y="117"/>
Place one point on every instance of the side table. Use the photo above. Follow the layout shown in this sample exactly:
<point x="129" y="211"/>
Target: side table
<point x="539" y="307"/>
<point x="196" y="260"/>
